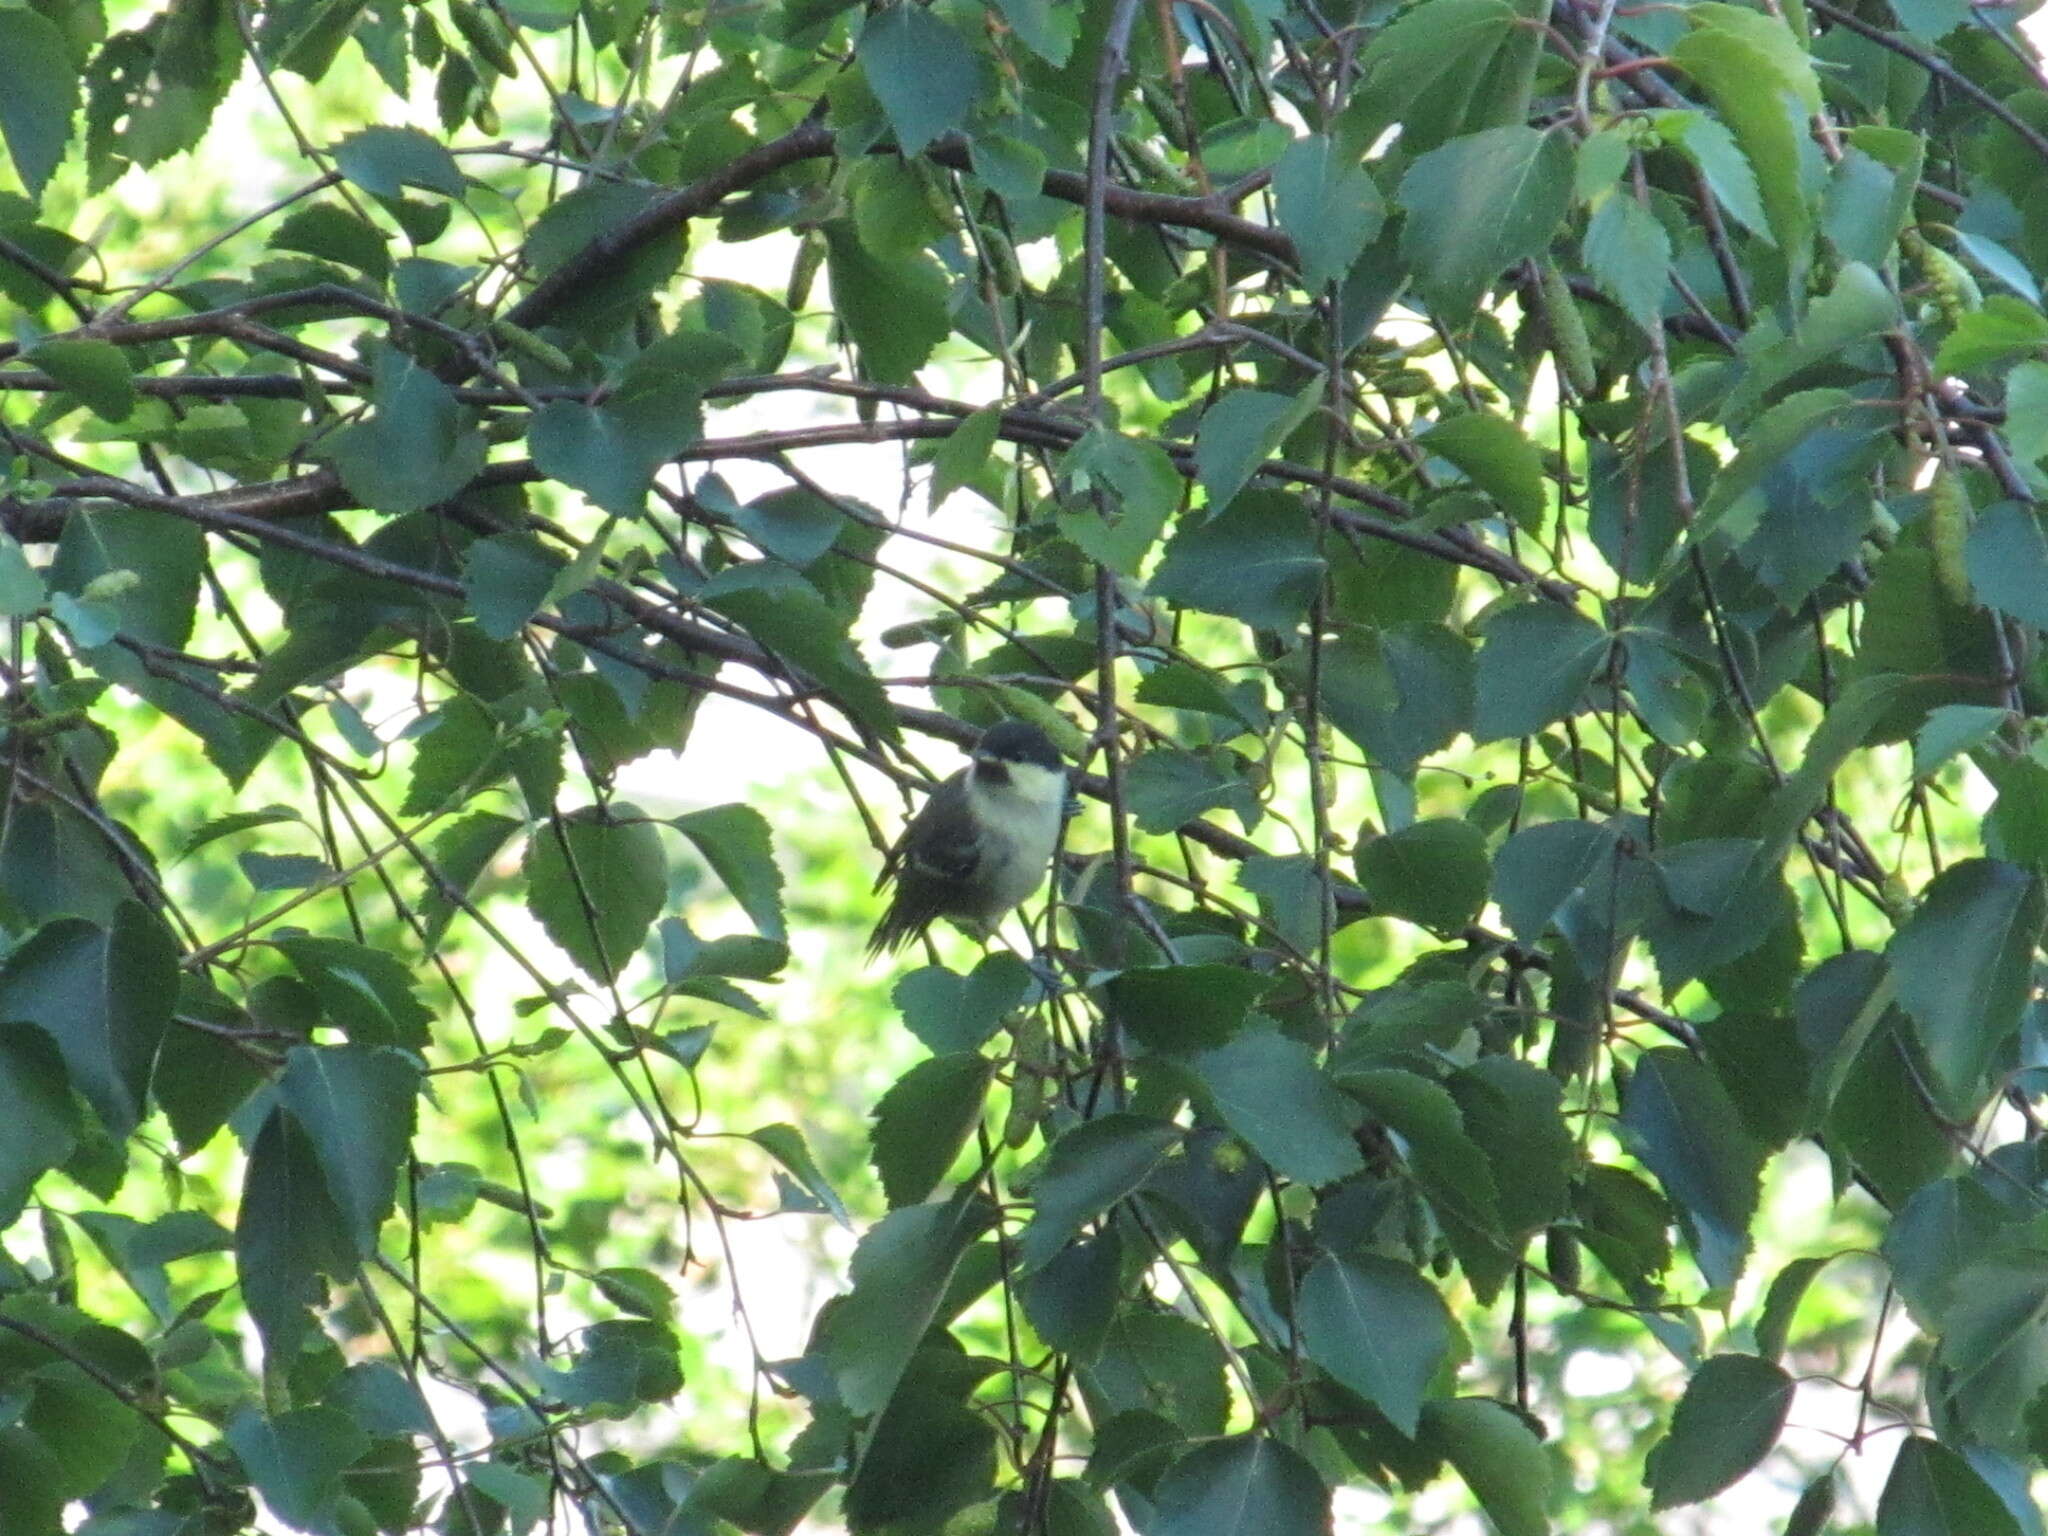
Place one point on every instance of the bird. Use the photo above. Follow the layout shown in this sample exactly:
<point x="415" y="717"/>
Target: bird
<point x="981" y="843"/>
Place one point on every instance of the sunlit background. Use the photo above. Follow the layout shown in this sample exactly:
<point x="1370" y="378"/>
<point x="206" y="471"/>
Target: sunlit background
<point x="830" y="1042"/>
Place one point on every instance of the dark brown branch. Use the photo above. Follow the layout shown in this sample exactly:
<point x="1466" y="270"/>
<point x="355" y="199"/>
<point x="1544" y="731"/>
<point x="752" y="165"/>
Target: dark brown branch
<point x="64" y="287"/>
<point x="1941" y="69"/>
<point x="807" y="141"/>
<point x="1211" y="215"/>
<point x="322" y="491"/>
<point x="812" y="140"/>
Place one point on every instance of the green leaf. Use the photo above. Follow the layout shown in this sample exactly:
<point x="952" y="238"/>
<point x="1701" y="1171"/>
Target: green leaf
<point x="951" y="1012"/>
<point x="1497" y="456"/>
<point x="684" y="956"/>
<point x="1072" y="1298"/>
<point x="90" y="1431"/>
<point x="1255" y="561"/>
<point x="97" y="372"/>
<point x="1433" y="873"/>
<point x="894" y="311"/>
<point x="1378" y="1327"/>
<point x="1450" y="67"/>
<point x="32" y="1475"/>
<point x="596" y="881"/>
<point x="236" y="821"/>
<point x="462" y="851"/>
<point x="1293" y="897"/>
<point x="1858" y="308"/>
<point x="964" y="453"/>
<point x="1498" y="1457"/>
<point x="1538" y="660"/>
<point x="357" y="1106"/>
<point x="1932" y="1242"/>
<point x="756" y="1497"/>
<point x="929" y="1456"/>
<point x="38" y="94"/>
<point x="1248" y="1485"/>
<point x="385" y="161"/>
<point x="1238" y="434"/>
<point x="1183" y="1007"/>
<point x="288" y="1234"/>
<point x="1513" y="1110"/>
<point x="1011" y="168"/>
<point x="164" y="554"/>
<point x="595" y="211"/>
<point x="610" y="452"/>
<point x="787" y="1145"/>
<point x="788" y="615"/>
<point x="623" y="1362"/>
<point x="1879" y="1113"/>
<point x="1538" y="869"/>
<point x="1267" y="1088"/>
<point x="1950" y="730"/>
<point x="1788" y="1287"/>
<point x="458" y="748"/>
<point x="1138" y="488"/>
<point x="900" y="1273"/>
<point x="1731" y="1415"/>
<point x="1089" y="1169"/>
<point x="1741" y="79"/>
<point x="1239" y="146"/>
<point x="1184" y="685"/>
<point x="1401" y="693"/>
<point x="1785" y="57"/>
<point x="333" y="233"/>
<point x="794" y="524"/>
<point x="1992" y="1364"/>
<point x="2026" y="410"/>
<point x="1479" y="204"/>
<point x="56" y="863"/>
<point x="923" y="1121"/>
<point x="297" y="1459"/>
<point x="282" y="871"/>
<point x="2003" y="329"/>
<point x="21" y="584"/>
<point x="105" y="996"/>
<point x="418" y="445"/>
<point x="39" y="1122"/>
<point x="523" y="1496"/>
<point x="921" y="71"/>
<point x="1932" y="1491"/>
<point x="1163" y="1367"/>
<point x="1870" y="192"/>
<point x="638" y="1292"/>
<point x="735" y="841"/>
<point x="1964" y="962"/>
<point x="1450" y="1167"/>
<point x="1682" y="1127"/>
<point x="1328" y="205"/>
<point x="1169" y="788"/>
<point x="1738" y="494"/>
<point x="1046" y="27"/>
<point x="2007" y="561"/>
<point x="1628" y="254"/>
<point x="1856" y="713"/>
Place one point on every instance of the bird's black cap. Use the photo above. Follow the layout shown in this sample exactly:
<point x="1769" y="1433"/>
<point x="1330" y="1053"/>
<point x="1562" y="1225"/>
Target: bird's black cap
<point x="1016" y="741"/>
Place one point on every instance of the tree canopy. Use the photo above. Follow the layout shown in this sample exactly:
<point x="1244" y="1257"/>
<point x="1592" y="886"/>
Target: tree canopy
<point x="1526" y="518"/>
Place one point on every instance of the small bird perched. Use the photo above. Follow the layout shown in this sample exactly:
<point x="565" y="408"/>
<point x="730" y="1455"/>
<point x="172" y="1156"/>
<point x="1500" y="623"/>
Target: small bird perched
<point x="983" y="841"/>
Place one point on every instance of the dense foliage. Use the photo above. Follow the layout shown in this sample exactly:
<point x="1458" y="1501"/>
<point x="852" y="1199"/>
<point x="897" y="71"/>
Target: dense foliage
<point x="1526" y="517"/>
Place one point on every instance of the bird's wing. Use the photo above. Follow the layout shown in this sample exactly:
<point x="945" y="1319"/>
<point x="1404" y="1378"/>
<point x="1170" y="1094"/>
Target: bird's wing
<point x="943" y="835"/>
<point x="937" y="853"/>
